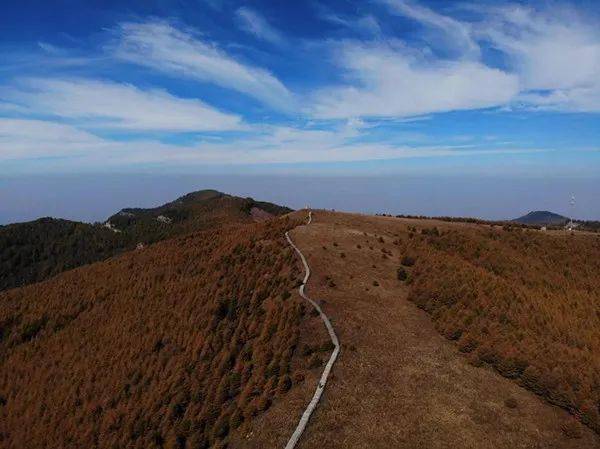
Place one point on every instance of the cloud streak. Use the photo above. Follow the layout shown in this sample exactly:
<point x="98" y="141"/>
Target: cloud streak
<point x="391" y="82"/>
<point x="254" y="23"/>
<point x="556" y="55"/>
<point x="455" y="33"/>
<point x="22" y="139"/>
<point x="106" y="104"/>
<point x="162" y="47"/>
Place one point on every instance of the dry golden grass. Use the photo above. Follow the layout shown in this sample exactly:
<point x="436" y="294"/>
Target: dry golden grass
<point x="399" y="383"/>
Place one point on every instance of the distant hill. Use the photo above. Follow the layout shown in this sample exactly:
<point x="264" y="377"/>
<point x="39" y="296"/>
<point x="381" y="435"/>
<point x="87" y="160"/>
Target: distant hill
<point x="36" y="250"/>
<point x="542" y="217"/>
<point x="192" y="212"/>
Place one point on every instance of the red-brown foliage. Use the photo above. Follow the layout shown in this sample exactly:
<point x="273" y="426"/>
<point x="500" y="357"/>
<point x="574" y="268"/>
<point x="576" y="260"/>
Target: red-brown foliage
<point x="172" y="346"/>
<point x="525" y="302"/>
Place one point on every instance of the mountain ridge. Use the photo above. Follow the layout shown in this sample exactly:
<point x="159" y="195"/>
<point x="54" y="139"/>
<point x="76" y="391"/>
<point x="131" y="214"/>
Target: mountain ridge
<point x="36" y="250"/>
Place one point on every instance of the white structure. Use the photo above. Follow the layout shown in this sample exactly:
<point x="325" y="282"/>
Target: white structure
<point x="570" y="225"/>
<point x="111" y="226"/>
<point x="164" y="219"/>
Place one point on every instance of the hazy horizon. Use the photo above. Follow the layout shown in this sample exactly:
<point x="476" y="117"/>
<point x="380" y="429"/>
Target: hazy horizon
<point x="94" y="197"/>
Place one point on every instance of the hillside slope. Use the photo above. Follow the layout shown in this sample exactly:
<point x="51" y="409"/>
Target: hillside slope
<point x="520" y="305"/>
<point x="184" y="344"/>
<point x="34" y="251"/>
<point x="192" y="212"/>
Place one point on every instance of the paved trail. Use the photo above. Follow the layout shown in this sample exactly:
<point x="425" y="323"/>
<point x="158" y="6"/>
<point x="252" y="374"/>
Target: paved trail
<point x="291" y="444"/>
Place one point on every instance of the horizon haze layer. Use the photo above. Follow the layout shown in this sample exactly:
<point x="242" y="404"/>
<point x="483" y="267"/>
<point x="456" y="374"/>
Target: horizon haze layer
<point x="95" y="197"/>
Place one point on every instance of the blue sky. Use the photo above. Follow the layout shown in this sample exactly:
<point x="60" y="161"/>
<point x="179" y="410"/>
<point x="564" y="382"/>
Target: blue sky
<point x="342" y="87"/>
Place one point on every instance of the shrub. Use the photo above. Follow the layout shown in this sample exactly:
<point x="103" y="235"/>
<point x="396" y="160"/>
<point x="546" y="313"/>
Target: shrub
<point x="407" y="261"/>
<point x="314" y="362"/>
<point x="299" y="378"/>
<point x="285" y="295"/>
<point x="285" y="383"/>
<point x="236" y="419"/>
<point x="511" y="402"/>
<point x="401" y="274"/>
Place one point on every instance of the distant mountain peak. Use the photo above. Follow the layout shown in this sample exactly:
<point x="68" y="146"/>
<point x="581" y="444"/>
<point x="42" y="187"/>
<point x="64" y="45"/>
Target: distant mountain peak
<point x="542" y="217"/>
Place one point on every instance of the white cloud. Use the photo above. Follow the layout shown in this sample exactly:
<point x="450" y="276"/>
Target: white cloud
<point x="253" y="23"/>
<point x="70" y="148"/>
<point x="49" y="48"/>
<point x="26" y="138"/>
<point x="390" y="82"/>
<point x="555" y="51"/>
<point x="577" y="99"/>
<point x="550" y="49"/>
<point x="456" y="34"/>
<point x="553" y="58"/>
<point x="162" y="47"/>
<point x="120" y="106"/>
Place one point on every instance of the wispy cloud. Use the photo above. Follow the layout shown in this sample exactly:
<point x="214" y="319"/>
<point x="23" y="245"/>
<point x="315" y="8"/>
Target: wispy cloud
<point x="106" y="104"/>
<point x="393" y="82"/>
<point x="162" y="47"/>
<point x="549" y="49"/>
<point x="455" y="33"/>
<point x="254" y="23"/>
<point x="27" y="139"/>
<point x="22" y="139"/>
<point x="553" y="51"/>
<point x="366" y="24"/>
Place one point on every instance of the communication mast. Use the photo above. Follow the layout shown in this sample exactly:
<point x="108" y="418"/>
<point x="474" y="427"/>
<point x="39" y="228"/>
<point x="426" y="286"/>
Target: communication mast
<point x="571" y="225"/>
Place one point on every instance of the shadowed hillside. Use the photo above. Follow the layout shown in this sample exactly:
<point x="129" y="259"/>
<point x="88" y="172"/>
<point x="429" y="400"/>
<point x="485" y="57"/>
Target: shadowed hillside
<point x="37" y="250"/>
<point x="175" y="345"/>
<point x="33" y="251"/>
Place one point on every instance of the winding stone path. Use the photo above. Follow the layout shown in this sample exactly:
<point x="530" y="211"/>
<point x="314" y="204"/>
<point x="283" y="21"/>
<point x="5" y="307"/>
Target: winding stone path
<point x="291" y="444"/>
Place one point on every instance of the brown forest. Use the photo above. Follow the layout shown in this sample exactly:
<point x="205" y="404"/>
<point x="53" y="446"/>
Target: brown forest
<point x="522" y="301"/>
<point x="171" y="346"/>
<point x="34" y="251"/>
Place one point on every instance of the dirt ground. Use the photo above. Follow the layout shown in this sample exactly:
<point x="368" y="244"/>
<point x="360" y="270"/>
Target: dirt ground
<point x="398" y="383"/>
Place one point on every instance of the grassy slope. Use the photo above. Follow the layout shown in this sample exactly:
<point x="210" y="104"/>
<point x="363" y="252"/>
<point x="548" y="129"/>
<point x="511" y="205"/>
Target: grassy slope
<point x="525" y="302"/>
<point x="172" y="346"/>
<point x="506" y="295"/>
